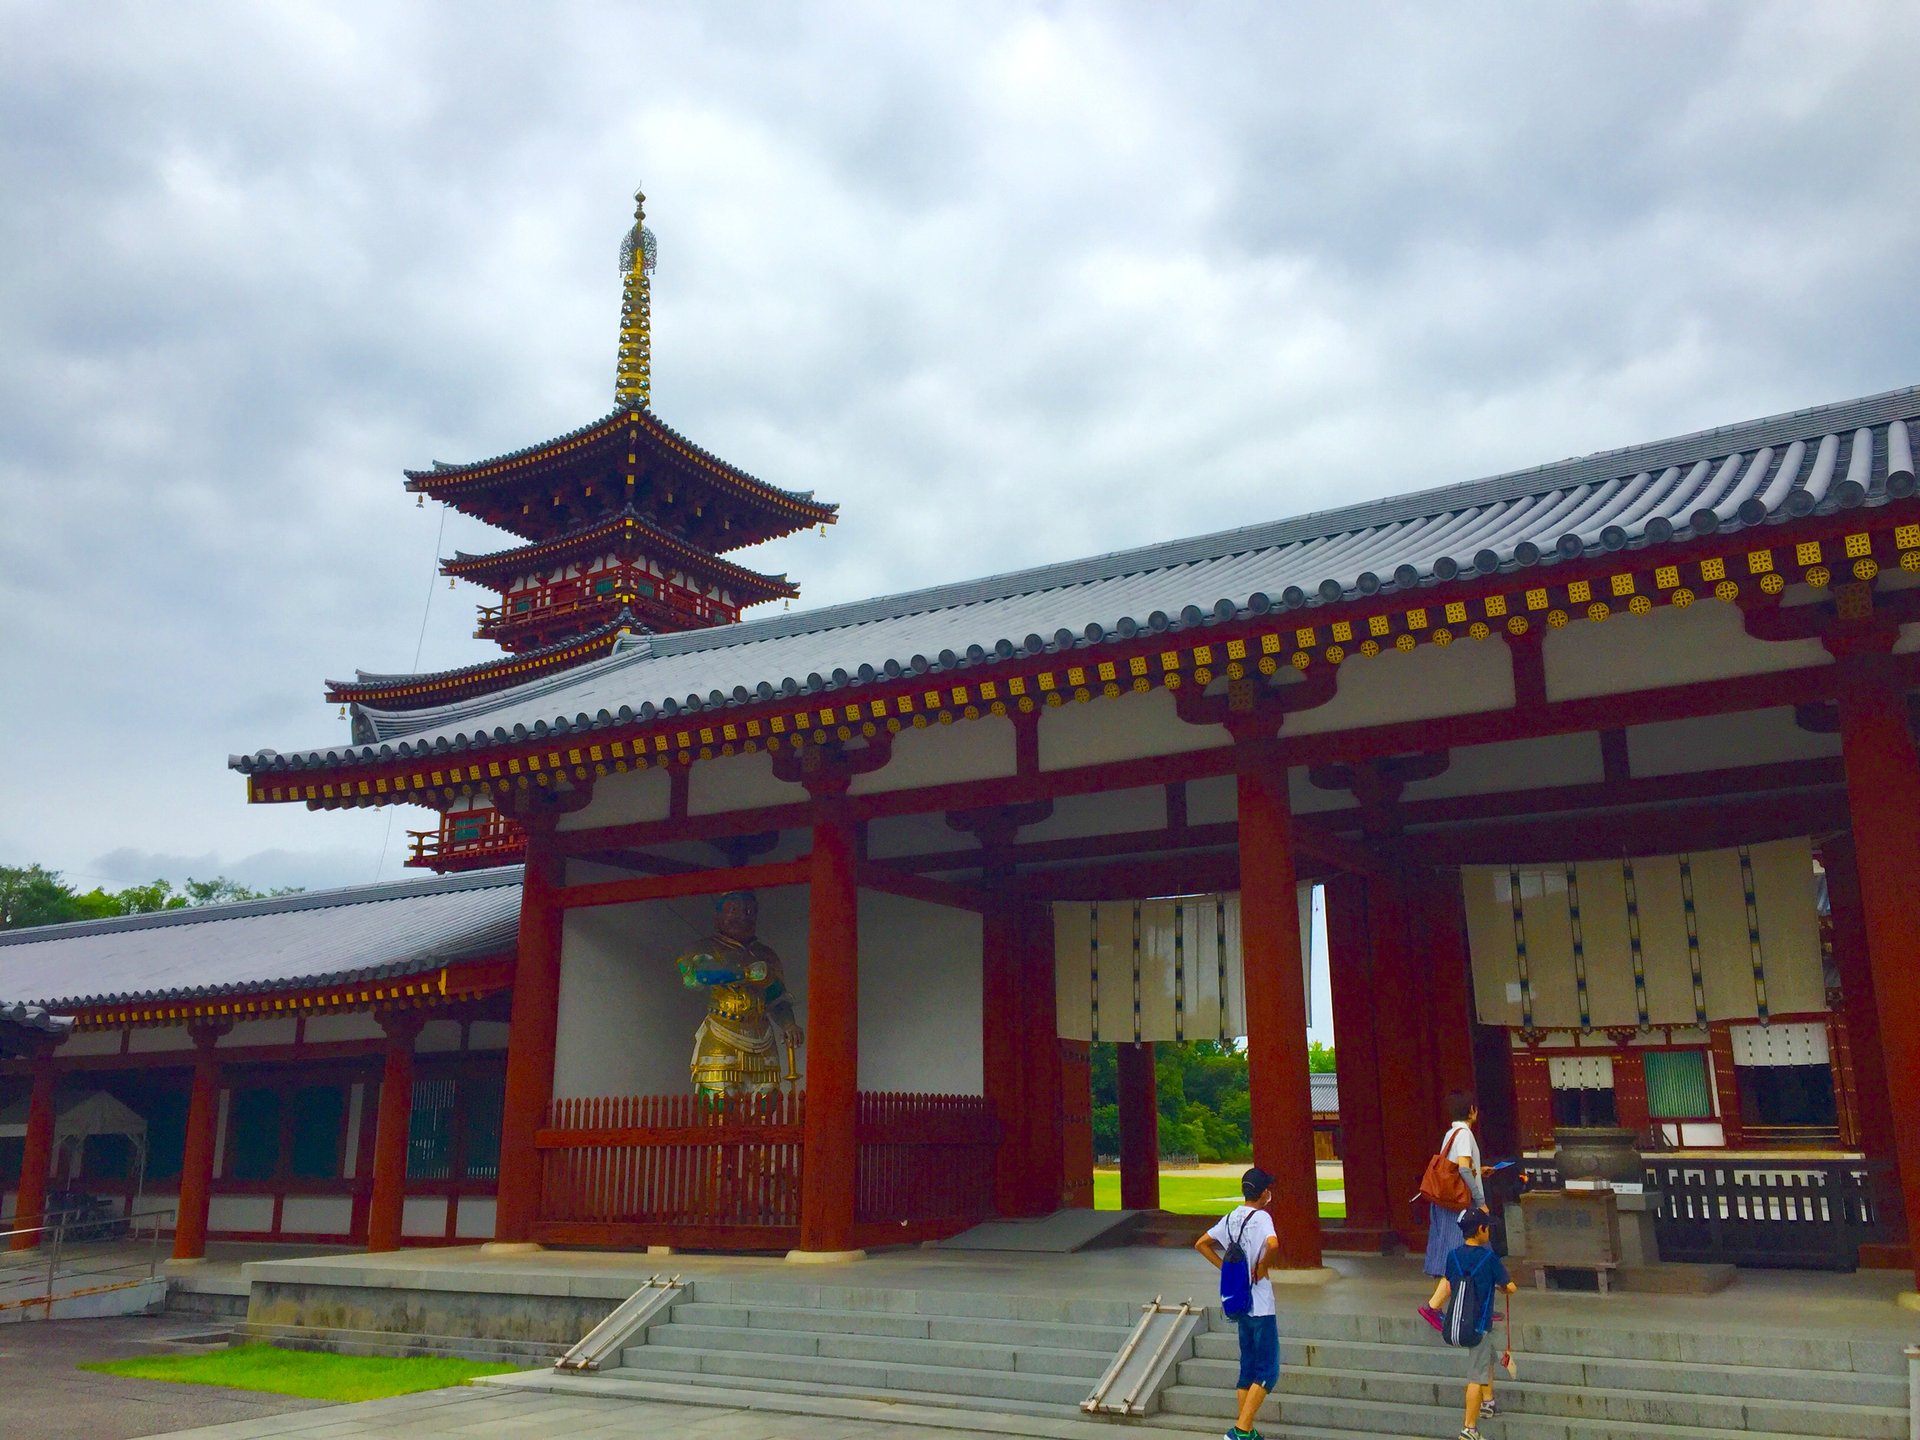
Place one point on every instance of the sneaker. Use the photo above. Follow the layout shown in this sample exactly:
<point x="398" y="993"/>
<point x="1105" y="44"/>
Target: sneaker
<point x="1469" y="1433"/>
<point x="1432" y="1317"/>
<point x="1490" y="1406"/>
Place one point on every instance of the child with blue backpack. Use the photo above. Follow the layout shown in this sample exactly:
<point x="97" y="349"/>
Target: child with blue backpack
<point x="1241" y="1247"/>
<point x="1462" y="1310"/>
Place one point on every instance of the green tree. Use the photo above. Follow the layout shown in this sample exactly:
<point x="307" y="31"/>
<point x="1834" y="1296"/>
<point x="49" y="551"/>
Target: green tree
<point x="1319" y="1058"/>
<point x="33" y="895"/>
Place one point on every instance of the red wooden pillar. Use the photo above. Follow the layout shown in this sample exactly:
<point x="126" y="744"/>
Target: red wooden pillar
<point x="1872" y="1114"/>
<point x="1139" y="1127"/>
<point x="1044" y="1167"/>
<point x="1532" y="1099"/>
<point x="1726" y="1083"/>
<point x="196" y="1160"/>
<point x="1630" y="1092"/>
<point x="30" y="1201"/>
<point x="833" y="1022"/>
<point x="1355" y="999"/>
<point x="1410" y="1124"/>
<point x="1076" y="1124"/>
<point x="390" y="1136"/>
<point x="532" y="1034"/>
<point x="1445" y="913"/>
<point x="1883" y="796"/>
<point x="1004" y="1061"/>
<point x="1276" y="1002"/>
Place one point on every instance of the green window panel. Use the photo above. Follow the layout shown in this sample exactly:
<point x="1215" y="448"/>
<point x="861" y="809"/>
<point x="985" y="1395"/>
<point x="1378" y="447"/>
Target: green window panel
<point x="1677" y="1087"/>
<point x="319" y="1123"/>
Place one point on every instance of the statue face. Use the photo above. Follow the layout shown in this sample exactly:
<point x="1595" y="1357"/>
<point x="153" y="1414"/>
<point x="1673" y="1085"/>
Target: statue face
<point x="738" y="917"/>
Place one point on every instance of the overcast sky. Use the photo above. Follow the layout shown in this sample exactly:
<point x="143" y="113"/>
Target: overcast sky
<point x="1012" y="283"/>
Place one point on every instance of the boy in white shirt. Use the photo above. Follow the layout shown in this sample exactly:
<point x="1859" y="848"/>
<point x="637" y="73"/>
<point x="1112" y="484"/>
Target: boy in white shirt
<point x="1252" y="1228"/>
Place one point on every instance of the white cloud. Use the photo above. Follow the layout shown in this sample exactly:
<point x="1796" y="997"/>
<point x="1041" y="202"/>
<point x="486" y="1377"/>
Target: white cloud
<point x="1010" y="282"/>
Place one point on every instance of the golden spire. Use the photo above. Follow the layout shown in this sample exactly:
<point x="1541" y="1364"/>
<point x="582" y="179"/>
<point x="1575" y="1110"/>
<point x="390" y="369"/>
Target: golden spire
<point x="633" y="387"/>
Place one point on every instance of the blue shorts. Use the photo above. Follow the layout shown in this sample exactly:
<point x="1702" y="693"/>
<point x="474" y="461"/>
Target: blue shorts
<point x="1259" y="1351"/>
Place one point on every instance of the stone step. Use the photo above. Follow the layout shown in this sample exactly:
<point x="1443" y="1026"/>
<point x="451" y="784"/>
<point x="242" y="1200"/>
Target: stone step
<point x="393" y="1342"/>
<point x="967" y="1354"/>
<point x="1436" y="1360"/>
<point x="1611" y="1342"/>
<point x="900" y="1325"/>
<point x="867" y="1377"/>
<point x="1185" y="1406"/>
<point x="980" y="1305"/>
<point x="1813" y="1413"/>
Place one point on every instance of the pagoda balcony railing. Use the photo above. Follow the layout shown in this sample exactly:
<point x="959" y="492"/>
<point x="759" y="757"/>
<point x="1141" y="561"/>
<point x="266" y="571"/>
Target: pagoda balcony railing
<point x="528" y="608"/>
<point x="630" y="1170"/>
<point x="467" y="840"/>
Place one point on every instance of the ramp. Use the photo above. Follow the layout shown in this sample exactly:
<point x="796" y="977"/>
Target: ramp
<point x="1061" y="1233"/>
<point x="1134" y="1380"/>
<point x="629" y="1318"/>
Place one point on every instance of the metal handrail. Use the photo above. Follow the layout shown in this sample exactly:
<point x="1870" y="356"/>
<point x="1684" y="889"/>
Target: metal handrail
<point x="58" y="1226"/>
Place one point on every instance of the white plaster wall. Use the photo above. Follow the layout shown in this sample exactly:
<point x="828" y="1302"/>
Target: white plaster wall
<point x="737" y="782"/>
<point x="423" y="1216"/>
<point x="1535" y="764"/>
<point x="437" y="1035"/>
<point x="1424" y="683"/>
<point x="1909" y="640"/>
<point x="317" y="1214"/>
<point x="920" y="1003"/>
<point x="980" y="749"/>
<point x="475" y="1218"/>
<point x="144" y="1041"/>
<point x="1114" y="812"/>
<point x="1216" y="800"/>
<point x="91" y="1042"/>
<point x="622" y="799"/>
<point x="354" y="1025"/>
<point x="488" y="1035"/>
<point x="276" y="1031"/>
<point x="626" y="1021"/>
<point x="914" y="835"/>
<point x="1718" y="742"/>
<point x="240" y="1212"/>
<point x="1129" y="728"/>
<point x="1666" y="646"/>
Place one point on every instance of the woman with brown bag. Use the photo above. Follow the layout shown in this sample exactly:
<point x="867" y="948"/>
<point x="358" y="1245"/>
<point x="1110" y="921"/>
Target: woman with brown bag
<point x="1460" y="1154"/>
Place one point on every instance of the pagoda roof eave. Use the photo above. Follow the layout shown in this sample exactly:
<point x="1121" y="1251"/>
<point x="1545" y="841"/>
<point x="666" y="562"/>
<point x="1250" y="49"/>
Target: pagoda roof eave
<point x="1807" y="477"/>
<point x="504" y="564"/>
<point x="404" y="691"/>
<point x="444" y="480"/>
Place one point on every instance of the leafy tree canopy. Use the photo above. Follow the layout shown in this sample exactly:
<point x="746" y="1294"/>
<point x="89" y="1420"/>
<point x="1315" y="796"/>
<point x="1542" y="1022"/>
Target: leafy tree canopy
<point x="33" y="895"/>
<point x="1206" y="1107"/>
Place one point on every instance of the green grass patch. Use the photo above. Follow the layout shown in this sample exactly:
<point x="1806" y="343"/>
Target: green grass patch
<point x="309" y="1374"/>
<point x="1196" y="1194"/>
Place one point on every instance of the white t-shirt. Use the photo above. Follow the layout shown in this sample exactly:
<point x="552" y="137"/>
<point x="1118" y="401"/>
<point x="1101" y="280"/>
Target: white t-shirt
<point x="1253" y="1243"/>
<point x="1462" y="1145"/>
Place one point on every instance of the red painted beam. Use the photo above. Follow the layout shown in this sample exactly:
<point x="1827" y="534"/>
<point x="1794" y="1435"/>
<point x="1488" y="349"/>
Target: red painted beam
<point x="891" y="880"/>
<point x="667" y="887"/>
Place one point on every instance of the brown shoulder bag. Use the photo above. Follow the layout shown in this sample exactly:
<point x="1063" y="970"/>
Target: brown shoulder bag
<point x="1443" y="1185"/>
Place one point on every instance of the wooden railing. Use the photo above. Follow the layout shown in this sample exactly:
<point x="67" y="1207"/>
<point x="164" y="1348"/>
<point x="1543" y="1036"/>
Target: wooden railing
<point x="1780" y="1214"/>
<point x="465" y="842"/>
<point x="629" y="1170"/>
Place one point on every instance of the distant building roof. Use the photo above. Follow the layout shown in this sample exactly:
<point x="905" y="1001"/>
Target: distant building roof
<point x="1757" y="474"/>
<point x="23" y="1028"/>
<point x="322" y="937"/>
<point x="1326" y="1093"/>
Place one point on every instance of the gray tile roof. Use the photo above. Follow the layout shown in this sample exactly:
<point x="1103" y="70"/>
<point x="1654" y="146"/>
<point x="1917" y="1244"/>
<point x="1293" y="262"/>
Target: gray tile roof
<point x="1326" y="1092"/>
<point x="322" y="937"/>
<point x="1760" y="473"/>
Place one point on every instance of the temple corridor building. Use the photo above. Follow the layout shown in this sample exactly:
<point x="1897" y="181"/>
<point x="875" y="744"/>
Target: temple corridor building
<point x="1607" y="768"/>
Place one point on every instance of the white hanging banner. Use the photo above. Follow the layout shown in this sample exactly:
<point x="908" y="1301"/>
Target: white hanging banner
<point x="1647" y="940"/>
<point x="1165" y="969"/>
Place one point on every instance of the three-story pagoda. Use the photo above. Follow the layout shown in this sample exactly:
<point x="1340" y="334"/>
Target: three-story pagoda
<point x="624" y="526"/>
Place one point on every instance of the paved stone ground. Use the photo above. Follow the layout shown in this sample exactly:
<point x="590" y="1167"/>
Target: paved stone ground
<point x="43" y="1395"/>
<point x="479" y="1413"/>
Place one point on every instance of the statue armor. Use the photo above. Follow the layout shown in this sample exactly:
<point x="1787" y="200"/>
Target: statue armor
<point x="750" y="1020"/>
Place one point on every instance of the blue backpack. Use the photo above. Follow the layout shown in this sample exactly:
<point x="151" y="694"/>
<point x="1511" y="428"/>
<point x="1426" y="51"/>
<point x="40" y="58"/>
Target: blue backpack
<point x="1460" y="1325"/>
<point x="1236" y="1276"/>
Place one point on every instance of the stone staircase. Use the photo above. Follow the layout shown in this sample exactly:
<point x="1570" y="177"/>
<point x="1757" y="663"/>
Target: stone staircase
<point x="1380" y="1375"/>
<point x="1344" y="1375"/>
<point x="929" y="1347"/>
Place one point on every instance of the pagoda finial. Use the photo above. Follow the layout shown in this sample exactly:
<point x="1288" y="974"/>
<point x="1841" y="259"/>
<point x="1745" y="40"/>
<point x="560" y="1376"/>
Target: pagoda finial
<point x="633" y="387"/>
